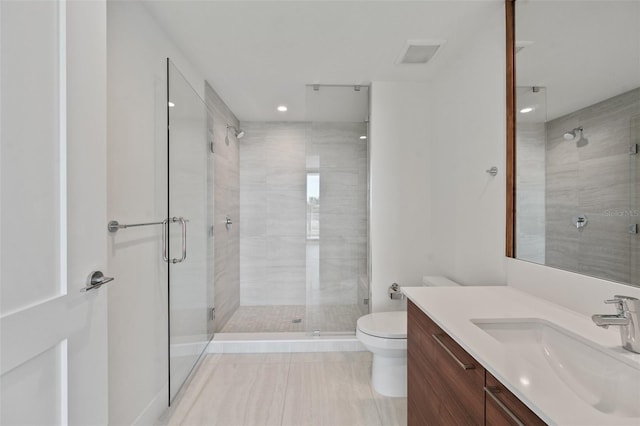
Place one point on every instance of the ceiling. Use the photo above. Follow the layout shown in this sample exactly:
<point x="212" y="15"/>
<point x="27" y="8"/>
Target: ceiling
<point x="261" y="54"/>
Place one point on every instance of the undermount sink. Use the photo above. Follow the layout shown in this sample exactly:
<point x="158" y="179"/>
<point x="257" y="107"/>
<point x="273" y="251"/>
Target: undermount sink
<point x="599" y="376"/>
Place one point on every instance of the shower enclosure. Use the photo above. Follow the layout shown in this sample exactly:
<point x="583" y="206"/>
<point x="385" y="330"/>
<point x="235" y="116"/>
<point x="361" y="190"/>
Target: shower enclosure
<point x="303" y="218"/>
<point x="267" y="227"/>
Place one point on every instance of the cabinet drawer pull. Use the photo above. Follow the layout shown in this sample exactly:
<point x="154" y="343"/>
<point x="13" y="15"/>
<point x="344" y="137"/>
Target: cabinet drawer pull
<point x="463" y="365"/>
<point x="491" y="391"/>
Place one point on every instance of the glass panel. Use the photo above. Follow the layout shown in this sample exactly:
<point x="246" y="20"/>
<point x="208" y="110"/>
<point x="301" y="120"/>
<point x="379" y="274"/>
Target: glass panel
<point x="303" y="218"/>
<point x="273" y="228"/>
<point x="30" y="266"/>
<point x="531" y="138"/>
<point x="188" y="147"/>
<point x="336" y="149"/>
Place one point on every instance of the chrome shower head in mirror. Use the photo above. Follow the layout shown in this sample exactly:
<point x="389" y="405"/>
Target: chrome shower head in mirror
<point x="572" y="134"/>
<point x="238" y="133"/>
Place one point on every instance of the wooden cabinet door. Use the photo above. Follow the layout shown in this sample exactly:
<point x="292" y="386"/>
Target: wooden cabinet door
<point x="462" y="402"/>
<point x="444" y="382"/>
<point x="423" y="382"/>
<point x="503" y="408"/>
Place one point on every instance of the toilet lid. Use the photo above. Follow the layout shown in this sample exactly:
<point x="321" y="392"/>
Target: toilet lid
<point x="390" y="325"/>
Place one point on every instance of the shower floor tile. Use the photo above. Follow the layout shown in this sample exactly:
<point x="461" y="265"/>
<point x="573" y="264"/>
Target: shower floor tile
<point x="331" y="389"/>
<point x="288" y="318"/>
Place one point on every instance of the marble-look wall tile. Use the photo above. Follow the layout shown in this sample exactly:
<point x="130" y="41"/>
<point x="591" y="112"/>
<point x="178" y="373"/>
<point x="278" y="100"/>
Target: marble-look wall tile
<point x="279" y="265"/>
<point x="225" y="201"/>
<point x="273" y="183"/>
<point x="593" y="176"/>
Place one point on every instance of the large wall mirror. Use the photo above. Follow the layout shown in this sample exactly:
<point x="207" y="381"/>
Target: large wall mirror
<point x="575" y="130"/>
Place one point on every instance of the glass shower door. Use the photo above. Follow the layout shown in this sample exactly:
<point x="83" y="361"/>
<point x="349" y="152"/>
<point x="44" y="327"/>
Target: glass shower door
<point x="186" y="228"/>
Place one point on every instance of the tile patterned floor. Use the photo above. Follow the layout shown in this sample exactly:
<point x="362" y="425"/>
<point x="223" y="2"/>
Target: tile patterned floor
<point x="326" y="318"/>
<point x="297" y="389"/>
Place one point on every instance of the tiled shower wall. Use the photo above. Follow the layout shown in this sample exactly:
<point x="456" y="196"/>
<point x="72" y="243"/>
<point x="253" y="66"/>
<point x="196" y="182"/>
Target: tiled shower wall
<point x="597" y="177"/>
<point x="280" y="265"/>
<point x="224" y="201"/>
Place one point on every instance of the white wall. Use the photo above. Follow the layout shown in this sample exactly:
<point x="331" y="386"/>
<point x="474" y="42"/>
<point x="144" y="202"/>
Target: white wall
<point x="467" y="112"/>
<point x="137" y="51"/>
<point x="577" y="292"/>
<point x="434" y="209"/>
<point x="400" y="213"/>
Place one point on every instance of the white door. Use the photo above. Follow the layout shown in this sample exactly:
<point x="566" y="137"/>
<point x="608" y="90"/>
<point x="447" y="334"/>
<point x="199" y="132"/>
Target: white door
<point x="53" y="336"/>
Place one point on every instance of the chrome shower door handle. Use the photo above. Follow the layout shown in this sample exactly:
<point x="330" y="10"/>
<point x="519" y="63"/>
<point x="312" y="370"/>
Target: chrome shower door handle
<point x="183" y="224"/>
<point x="165" y="241"/>
<point x="165" y="226"/>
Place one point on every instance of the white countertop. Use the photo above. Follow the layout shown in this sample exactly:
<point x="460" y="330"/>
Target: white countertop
<point x="453" y="308"/>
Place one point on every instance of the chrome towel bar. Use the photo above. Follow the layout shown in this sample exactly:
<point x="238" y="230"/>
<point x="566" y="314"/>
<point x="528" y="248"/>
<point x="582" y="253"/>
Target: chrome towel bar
<point x="114" y="225"/>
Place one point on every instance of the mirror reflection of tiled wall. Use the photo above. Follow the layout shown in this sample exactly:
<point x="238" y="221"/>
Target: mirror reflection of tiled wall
<point x="593" y="175"/>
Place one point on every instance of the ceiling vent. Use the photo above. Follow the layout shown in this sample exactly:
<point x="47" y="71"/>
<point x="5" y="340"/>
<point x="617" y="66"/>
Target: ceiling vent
<point x="419" y="51"/>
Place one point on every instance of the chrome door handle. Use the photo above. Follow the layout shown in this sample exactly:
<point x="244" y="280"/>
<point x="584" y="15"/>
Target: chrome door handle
<point x="463" y="365"/>
<point x="165" y="230"/>
<point x="491" y="391"/>
<point x="95" y="280"/>
<point x="183" y="224"/>
<point x="165" y="240"/>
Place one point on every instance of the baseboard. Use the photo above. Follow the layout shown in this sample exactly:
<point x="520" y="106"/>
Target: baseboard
<point x="154" y="409"/>
<point x="282" y="342"/>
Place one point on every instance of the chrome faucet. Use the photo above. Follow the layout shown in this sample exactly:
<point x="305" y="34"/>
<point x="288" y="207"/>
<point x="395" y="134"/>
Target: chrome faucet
<point x="626" y="317"/>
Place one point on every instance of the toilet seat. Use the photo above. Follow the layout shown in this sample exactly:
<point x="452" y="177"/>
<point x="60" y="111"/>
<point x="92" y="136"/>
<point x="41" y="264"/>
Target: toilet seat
<point x="385" y="325"/>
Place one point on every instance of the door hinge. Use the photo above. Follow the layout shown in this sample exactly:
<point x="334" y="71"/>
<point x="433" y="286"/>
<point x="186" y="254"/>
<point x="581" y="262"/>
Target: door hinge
<point x="633" y="229"/>
<point x="633" y="149"/>
<point x="212" y="314"/>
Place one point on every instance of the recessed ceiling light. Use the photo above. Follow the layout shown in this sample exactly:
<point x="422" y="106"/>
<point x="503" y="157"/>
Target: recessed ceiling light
<point x="526" y="110"/>
<point x="282" y="108"/>
<point x="171" y="104"/>
<point x="363" y="137"/>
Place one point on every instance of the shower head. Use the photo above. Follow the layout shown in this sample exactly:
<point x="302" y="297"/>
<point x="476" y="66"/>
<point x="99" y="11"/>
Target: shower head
<point x="571" y="135"/>
<point x="239" y="133"/>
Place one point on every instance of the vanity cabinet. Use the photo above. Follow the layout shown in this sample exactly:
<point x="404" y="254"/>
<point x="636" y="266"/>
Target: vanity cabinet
<point x="447" y="386"/>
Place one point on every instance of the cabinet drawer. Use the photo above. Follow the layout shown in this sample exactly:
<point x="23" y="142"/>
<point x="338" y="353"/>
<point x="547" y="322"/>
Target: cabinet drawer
<point x="462" y="378"/>
<point x="503" y="408"/>
<point x="444" y="382"/>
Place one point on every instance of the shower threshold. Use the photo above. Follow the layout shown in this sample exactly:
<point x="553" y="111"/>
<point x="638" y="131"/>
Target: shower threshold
<point x="272" y="342"/>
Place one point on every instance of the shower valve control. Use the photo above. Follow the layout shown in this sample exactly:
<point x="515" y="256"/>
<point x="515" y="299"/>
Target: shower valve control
<point x="580" y="221"/>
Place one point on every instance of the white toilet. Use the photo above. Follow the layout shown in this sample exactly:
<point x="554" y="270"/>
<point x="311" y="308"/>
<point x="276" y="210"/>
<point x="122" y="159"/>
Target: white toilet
<point x="385" y="335"/>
